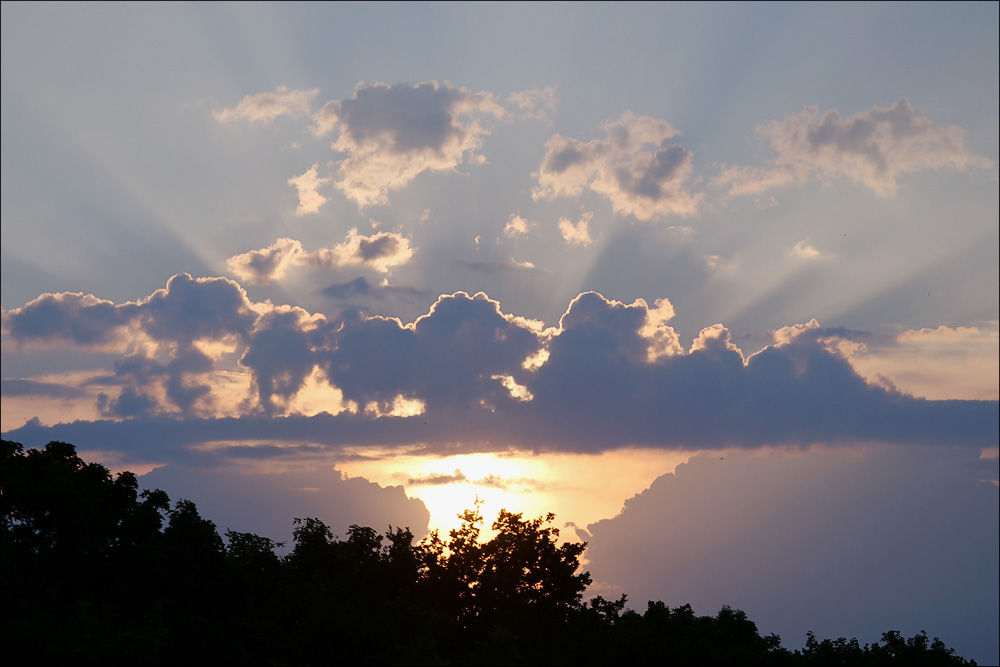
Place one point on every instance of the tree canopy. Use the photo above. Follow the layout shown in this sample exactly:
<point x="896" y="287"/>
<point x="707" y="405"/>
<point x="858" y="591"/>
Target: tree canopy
<point x="96" y="572"/>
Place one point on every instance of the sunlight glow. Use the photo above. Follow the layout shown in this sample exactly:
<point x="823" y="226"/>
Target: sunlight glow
<point x="578" y="488"/>
<point x="318" y="395"/>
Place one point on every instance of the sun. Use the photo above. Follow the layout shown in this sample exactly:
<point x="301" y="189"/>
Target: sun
<point x="577" y="488"/>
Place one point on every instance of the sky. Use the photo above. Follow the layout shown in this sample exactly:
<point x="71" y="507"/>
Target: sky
<point x="717" y="284"/>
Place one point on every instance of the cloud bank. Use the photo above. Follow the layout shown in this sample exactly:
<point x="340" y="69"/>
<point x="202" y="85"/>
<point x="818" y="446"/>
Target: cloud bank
<point x="466" y="375"/>
<point x="844" y="542"/>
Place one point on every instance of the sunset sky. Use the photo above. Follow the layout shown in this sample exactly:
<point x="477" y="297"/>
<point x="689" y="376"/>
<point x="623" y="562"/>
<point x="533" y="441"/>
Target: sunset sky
<point x="717" y="284"/>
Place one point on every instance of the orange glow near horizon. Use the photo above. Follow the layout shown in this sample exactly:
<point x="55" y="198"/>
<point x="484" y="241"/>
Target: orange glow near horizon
<point x="577" y="488"/>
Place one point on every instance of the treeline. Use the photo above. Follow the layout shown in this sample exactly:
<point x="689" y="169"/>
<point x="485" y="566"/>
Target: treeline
<point x="96" y="572"/>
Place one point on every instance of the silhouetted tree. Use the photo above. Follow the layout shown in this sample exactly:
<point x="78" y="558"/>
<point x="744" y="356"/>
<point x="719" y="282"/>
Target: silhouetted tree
<point x="95" y="572"/>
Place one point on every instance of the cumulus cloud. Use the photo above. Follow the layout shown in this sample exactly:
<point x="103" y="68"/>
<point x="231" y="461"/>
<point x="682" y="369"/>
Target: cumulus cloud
<point x="307" y="185"/>
<point x="380" y="252"/>
<point x="635" y="167"/>
<point x="872" y="148"/>
<point x="265" y="107"/>
<point x="191" y="309"/>
<point x="899" y="532"/>
<point x="577" y="233"/>
<point x="447" y="357"/>
<point x="181" y="386"/>
<point x="516" y="226"/>
<point x="75" y="317"/>
<point x="184" y="319"/>
<point x="609" y="375"/>
<point x="393" y="133"/>
<point x="261" y="267"/>
<point x="187" y="310"/>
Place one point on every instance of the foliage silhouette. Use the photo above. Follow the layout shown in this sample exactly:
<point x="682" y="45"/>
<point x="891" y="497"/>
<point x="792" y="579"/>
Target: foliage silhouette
<point x="95" y="572"/>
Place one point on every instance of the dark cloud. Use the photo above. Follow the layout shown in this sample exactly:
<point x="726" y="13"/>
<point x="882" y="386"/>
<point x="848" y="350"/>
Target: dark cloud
<point x="143" y="379"/>
<point x="174" y="319"/>
<point x="360" y="288"/>
<point x="447" y="358"/>
<point x="71" y="316"/>
<point x="190" y="309"/>
<point x="266" y="502"/>
<point x="611" y="375"/>
<point x="281" y="355"/>
<point x="131" y="402"/>
<point x="840" y="542"/>
<point x="17" y="387"/>
<point x="504" y="483"/>
<point x="436" y="479"/>
<point x="187" y="310"/>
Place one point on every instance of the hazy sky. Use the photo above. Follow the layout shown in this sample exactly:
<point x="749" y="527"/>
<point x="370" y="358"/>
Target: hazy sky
<point x="716" y="283"/>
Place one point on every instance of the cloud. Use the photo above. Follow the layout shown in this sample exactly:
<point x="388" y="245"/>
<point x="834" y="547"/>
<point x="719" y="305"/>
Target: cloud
<point x="131" y="402"/>
<point x="436" y="479"/>
<point x="941" y="363"/>
<point x="447" y="358"/>
<point x="264" y="501"/>
<point x="497" y="266"/>
<point x="187" y="310"/>
<point x="516" y="226"/>
<point x="361" y="288"/>
<point x="20" y="387"/>
<point x="806" y="251"/>
<point x="393" y="133"/>
<point x="534" y="103"/>
<point x="265" y="107"/>
<point x="185" y="319"/>
<point x="897" y="535"/>
<point x="717" y="262"/>
<point x="634" y="166"/>
<point x="610" y="375"/>
<point x="280" y="354"/>
<point x="75" y="317"/>
<point x="872" y="148"/>
<point x="192" y="309"/>
<point x="261" y="267"/>
<point x="579" y="233"/>
<point x="179" y="386"/>
<point x="380" y="252"/>
<point x="307" y="184"/>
